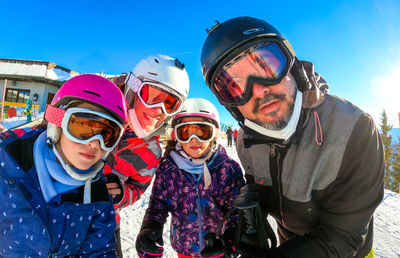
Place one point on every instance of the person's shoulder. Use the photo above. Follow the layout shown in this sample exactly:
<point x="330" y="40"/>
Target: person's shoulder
<point x="166" y="163"/>
<point x="222" y="158"/>
<point x="225" y="167"/>
<point x="343" y="104"/>
<point x="240" y="133"/>
<point x="20" y="149"/>
<point x="23" y="139"/>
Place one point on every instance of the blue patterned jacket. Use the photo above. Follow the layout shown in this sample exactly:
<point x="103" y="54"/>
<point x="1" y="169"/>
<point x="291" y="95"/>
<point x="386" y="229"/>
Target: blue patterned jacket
<point x="65" y="226"/>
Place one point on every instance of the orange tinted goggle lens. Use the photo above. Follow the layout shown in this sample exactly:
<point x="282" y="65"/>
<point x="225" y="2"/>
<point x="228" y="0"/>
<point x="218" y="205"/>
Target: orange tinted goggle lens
<point x="84" y="126"/>
<point x="204" y="132"/>
<point x="153" y="95"/>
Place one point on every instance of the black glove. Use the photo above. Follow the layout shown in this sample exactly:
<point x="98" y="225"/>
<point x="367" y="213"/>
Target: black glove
<point x="248" y="197"/>
<point x="149" y="241"/>
<point x="254" y="236"/>
<point x="112" y="178"/>
<point x="215" y="247"/>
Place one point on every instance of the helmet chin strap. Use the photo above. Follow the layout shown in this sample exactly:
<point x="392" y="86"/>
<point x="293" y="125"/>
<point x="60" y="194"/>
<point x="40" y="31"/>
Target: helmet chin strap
<point x="289" y="129"/>
<point x="82" y="177"/>
<point x="137" y="128"/>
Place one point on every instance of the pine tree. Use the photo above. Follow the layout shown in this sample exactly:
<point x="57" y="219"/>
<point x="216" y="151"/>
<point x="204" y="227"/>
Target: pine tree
<point x="396" y="167"/>
<point x="388" y="149"/>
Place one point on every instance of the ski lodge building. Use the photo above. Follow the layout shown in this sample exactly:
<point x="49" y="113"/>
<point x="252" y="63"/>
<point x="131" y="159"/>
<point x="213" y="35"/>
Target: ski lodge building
<point x="37" y="80"/>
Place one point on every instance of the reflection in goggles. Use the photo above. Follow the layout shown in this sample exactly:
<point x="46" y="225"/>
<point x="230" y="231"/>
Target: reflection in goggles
<point x="265" y="60"/>
<point x="151" y="94"/>
<point x="83" y="126"/>
<point x="203" y="131"/>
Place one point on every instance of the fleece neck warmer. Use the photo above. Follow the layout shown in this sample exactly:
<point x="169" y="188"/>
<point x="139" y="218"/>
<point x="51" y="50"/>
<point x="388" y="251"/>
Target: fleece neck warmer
<point x="52" y="176"/>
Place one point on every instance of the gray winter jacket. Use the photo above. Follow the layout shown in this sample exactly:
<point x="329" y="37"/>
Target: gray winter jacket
<point x="324" y="184"/>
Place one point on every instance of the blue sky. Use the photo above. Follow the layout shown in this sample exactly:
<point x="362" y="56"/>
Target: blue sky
<point x="355" y="45"/>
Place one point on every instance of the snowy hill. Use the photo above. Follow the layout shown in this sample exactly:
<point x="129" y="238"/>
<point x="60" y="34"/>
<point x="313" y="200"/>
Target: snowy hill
<point x="386" y="224"/>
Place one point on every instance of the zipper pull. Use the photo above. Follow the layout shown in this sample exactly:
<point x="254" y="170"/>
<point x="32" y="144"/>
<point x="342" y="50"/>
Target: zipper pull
<point x="272" y="153"/>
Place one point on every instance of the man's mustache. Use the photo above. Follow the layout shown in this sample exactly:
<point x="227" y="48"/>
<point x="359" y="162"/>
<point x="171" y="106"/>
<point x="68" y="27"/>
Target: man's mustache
<point x="260" y="101"/>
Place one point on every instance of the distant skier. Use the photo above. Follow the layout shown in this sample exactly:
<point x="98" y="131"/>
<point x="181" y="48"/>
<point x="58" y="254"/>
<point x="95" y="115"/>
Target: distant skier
<point x="229" y="133"/>
<point x="235" y="135"/>
<point x="28" y="111"/>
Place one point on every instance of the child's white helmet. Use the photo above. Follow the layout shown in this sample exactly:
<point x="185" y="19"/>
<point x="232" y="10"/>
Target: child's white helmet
<point x="198" y="107"/>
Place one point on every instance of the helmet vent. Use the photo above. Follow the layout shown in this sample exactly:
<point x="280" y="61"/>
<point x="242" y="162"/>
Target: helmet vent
<point x="93" y="93"/>
<point x="204" y="111"/>
<point x="120" y="108"/>
<point x="156" y="60"/>
<point x="155" y="74"/>
<point x="250" y="31"/>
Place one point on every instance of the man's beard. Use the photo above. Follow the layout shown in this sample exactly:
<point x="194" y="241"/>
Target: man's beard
<point x="281" y="123"/>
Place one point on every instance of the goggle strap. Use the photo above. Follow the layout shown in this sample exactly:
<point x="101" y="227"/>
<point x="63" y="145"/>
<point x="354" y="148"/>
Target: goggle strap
<point x="212" y="116"/>
<point x="54" y="115"/>
<point x="133" y="82"/>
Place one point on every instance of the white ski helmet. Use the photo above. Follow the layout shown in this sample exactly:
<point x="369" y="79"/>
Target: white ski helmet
<point x="166" y="73"/>
<point x="165" y="70"/>
<point x="197" y="107"/>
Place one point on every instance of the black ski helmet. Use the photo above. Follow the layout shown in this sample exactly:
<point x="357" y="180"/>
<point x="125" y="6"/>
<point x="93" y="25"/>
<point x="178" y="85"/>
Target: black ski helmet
<point x="232" y="35"/>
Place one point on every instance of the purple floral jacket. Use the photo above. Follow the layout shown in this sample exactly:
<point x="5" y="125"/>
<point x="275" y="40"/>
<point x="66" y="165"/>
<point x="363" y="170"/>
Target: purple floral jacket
<point x="195" y="211"/>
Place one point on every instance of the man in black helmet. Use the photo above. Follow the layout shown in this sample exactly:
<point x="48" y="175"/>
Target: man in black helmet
<point x="315" y="160"/>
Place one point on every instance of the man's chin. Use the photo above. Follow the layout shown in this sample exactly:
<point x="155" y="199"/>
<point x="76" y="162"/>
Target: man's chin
<point x="271" y="124"/>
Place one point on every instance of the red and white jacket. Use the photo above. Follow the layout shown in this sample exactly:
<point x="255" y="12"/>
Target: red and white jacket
<point x="134" y="161"/>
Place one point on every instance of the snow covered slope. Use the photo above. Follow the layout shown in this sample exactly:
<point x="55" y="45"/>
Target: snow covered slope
<point x="386" y="224"/>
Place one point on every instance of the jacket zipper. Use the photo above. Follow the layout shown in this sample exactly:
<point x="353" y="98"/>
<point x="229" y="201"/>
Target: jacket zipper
<point x="276" y="158"/>
<point x="199" y="212"/>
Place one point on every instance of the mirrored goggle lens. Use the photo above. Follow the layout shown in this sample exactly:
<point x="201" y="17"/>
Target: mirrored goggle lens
<point x="265" y="60"/>
<point x="83" y="126"/>
<point x="152" y="94"/>
<point x="203" y="131"/>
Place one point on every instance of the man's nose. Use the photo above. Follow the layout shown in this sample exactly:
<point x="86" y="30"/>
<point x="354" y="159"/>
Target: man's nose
<point x="260" y="91"/>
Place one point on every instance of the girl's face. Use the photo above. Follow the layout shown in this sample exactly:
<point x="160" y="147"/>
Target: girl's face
<point x="194" y="148"/>
<point x="81" y="156"/>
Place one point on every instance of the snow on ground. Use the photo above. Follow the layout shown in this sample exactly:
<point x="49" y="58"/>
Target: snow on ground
<point x="18" y="120"/>
<point x="386" y="224"/>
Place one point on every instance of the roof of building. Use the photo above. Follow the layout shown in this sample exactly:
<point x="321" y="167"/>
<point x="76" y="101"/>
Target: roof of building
<point x="35" y="71"/>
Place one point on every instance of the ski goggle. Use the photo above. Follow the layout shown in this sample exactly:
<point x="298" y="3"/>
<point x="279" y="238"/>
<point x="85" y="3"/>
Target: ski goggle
<point x="202" y="131"/>
<point x="266" y="63"/>
<point x="84" y="125"/>
<point x="153" y="94"/>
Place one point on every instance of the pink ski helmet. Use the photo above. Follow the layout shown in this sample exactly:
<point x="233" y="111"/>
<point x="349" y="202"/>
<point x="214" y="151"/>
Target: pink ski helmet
<point x="95" y="90"/>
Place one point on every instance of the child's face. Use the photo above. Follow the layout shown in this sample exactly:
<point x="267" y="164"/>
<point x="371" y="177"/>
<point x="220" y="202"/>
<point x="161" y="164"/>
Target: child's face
<point x="81" y="156"/>
<point x="194" y="148"/>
